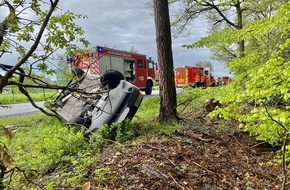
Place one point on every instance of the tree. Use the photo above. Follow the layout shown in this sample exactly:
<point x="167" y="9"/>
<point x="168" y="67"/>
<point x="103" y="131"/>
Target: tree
<point x="218" y="13"/>
<point x="33" y="31"/>
<point x="33" y="38"/>
<point x="204" y="64"/>
<point x="168" y="101"/>
<point x="222" y="14"/>
<point x="261" y="103"/>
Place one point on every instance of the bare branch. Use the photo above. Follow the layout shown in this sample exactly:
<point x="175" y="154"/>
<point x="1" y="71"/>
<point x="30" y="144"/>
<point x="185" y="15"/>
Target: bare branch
<point x="215" y="7"/>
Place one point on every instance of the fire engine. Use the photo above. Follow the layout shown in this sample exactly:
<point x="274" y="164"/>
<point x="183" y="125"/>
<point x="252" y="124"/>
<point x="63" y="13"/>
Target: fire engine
<point x="185" y="76"/>
<point x="226" y="80"/>
<point x="135" y="67"/>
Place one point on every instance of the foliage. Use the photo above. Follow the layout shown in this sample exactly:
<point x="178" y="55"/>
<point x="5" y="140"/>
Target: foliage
<point x="119" y="132"/>
<point x="221" y="15"/>
<point x="49" y="153"/>
<point x="259" y="95"/>
<point x="34" y="38"/>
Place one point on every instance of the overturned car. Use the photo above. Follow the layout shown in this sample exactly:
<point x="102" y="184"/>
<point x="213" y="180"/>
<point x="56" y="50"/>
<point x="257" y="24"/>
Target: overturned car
<point x="92" y="102"/>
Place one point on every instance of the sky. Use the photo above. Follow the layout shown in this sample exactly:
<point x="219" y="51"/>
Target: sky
<point x="128" y="23"/>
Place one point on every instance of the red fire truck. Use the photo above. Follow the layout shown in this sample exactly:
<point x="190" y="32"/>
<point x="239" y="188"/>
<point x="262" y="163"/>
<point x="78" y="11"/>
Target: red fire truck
<point x="185" y="76"/>
<point x="135" y="67"/>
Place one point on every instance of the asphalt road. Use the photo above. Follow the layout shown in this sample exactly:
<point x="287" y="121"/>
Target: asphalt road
<point x="19" y="109"/>
<point x="27" y="108"/>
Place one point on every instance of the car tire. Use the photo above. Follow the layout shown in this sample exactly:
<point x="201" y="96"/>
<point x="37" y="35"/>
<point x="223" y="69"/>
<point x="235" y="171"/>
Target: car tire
<point x="149" y="87"/>
<point x="112" y="79"/>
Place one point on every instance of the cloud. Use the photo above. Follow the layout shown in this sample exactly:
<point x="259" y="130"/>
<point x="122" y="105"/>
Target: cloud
<point x="128" y="23"/>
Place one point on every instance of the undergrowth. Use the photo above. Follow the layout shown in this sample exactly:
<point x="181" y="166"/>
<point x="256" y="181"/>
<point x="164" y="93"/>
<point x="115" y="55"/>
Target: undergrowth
<point x="44" y="152"/>
<point x="48" y="154"/>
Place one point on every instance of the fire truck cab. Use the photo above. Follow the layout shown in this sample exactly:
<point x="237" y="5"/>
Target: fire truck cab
<point x="135" y="67"/>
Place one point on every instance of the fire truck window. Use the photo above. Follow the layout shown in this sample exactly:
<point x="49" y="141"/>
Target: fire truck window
<point x="151" y="65"/>
<point x="140" y="63"/>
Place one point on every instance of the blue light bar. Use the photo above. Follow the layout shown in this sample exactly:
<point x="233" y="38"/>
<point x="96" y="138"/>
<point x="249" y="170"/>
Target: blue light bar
<point x="99" y="49"/>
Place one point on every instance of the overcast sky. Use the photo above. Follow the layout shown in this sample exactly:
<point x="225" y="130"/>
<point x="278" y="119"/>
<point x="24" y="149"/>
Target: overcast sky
<point x="128" y="23"/>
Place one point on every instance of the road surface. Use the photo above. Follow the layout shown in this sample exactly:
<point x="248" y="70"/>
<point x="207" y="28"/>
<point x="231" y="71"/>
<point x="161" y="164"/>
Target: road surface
<point x="27" y="108"/>
<point x="19" y="109"/>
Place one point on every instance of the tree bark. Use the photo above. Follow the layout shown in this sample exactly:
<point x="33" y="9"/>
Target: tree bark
<point x="167" y="111"/>
<point x="240" y="27"/>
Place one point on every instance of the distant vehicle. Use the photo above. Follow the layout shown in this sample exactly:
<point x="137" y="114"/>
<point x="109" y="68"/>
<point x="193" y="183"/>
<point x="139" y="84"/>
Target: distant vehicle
<point x="136" y="68"/>
<point x="104" y="100"/>
<point x="226" y="80"/>
<point x="186" y="76"/>
<point x="212" y="81"/>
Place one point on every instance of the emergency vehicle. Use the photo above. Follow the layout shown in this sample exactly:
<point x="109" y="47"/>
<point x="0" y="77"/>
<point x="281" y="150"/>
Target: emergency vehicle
<point x="135" y="67"/>
<point x="226" y="80"/>
<point x="186" y="75"/>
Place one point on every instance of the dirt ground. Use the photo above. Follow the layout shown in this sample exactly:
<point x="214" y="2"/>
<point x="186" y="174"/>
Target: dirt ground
<point x="199" y="157"/>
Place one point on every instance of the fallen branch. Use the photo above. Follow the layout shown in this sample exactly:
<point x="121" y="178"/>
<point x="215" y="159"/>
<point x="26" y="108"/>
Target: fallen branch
<point x="176" y="182"/>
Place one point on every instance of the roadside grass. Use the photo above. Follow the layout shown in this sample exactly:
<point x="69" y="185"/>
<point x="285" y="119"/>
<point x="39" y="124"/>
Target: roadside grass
<point x="195" y="97"/>
<point x="13" y="98"/>
<point x="55" y="155"/>
<point x="48" y="151"/>
<point x="156" y="87"/>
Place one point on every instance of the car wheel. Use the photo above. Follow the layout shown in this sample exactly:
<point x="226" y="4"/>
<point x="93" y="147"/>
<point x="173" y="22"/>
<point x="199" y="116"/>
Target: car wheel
<point x="112" y="79"/>
<point x="148" y="89"/>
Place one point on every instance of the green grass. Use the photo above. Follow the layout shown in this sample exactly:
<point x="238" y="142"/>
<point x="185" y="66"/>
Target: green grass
<point x="48" y="152"/>
<point x="13" y="98"/>
<point x="156" y="87"/>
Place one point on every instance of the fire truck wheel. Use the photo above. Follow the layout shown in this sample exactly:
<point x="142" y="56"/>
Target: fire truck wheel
<point x="112" y="79"/>
<point x="77" y="72"/>
<point x="149" y="87"/>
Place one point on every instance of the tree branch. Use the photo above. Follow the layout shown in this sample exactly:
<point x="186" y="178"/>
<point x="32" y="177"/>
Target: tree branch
<point x="280" y="124"/>
<point x="215" y="7"/>
<point x="36" y="42"/>
<point x="23" y="91"/>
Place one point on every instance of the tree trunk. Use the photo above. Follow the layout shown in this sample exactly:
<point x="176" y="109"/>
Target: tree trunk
<point x="167" y="95"/>
<point x="240" y="27"/>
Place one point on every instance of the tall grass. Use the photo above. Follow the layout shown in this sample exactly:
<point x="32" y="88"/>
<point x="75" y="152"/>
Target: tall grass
<point x="48" y="151"/>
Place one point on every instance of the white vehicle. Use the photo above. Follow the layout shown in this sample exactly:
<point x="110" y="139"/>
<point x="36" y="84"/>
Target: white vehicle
<point x="105" y="100"/>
